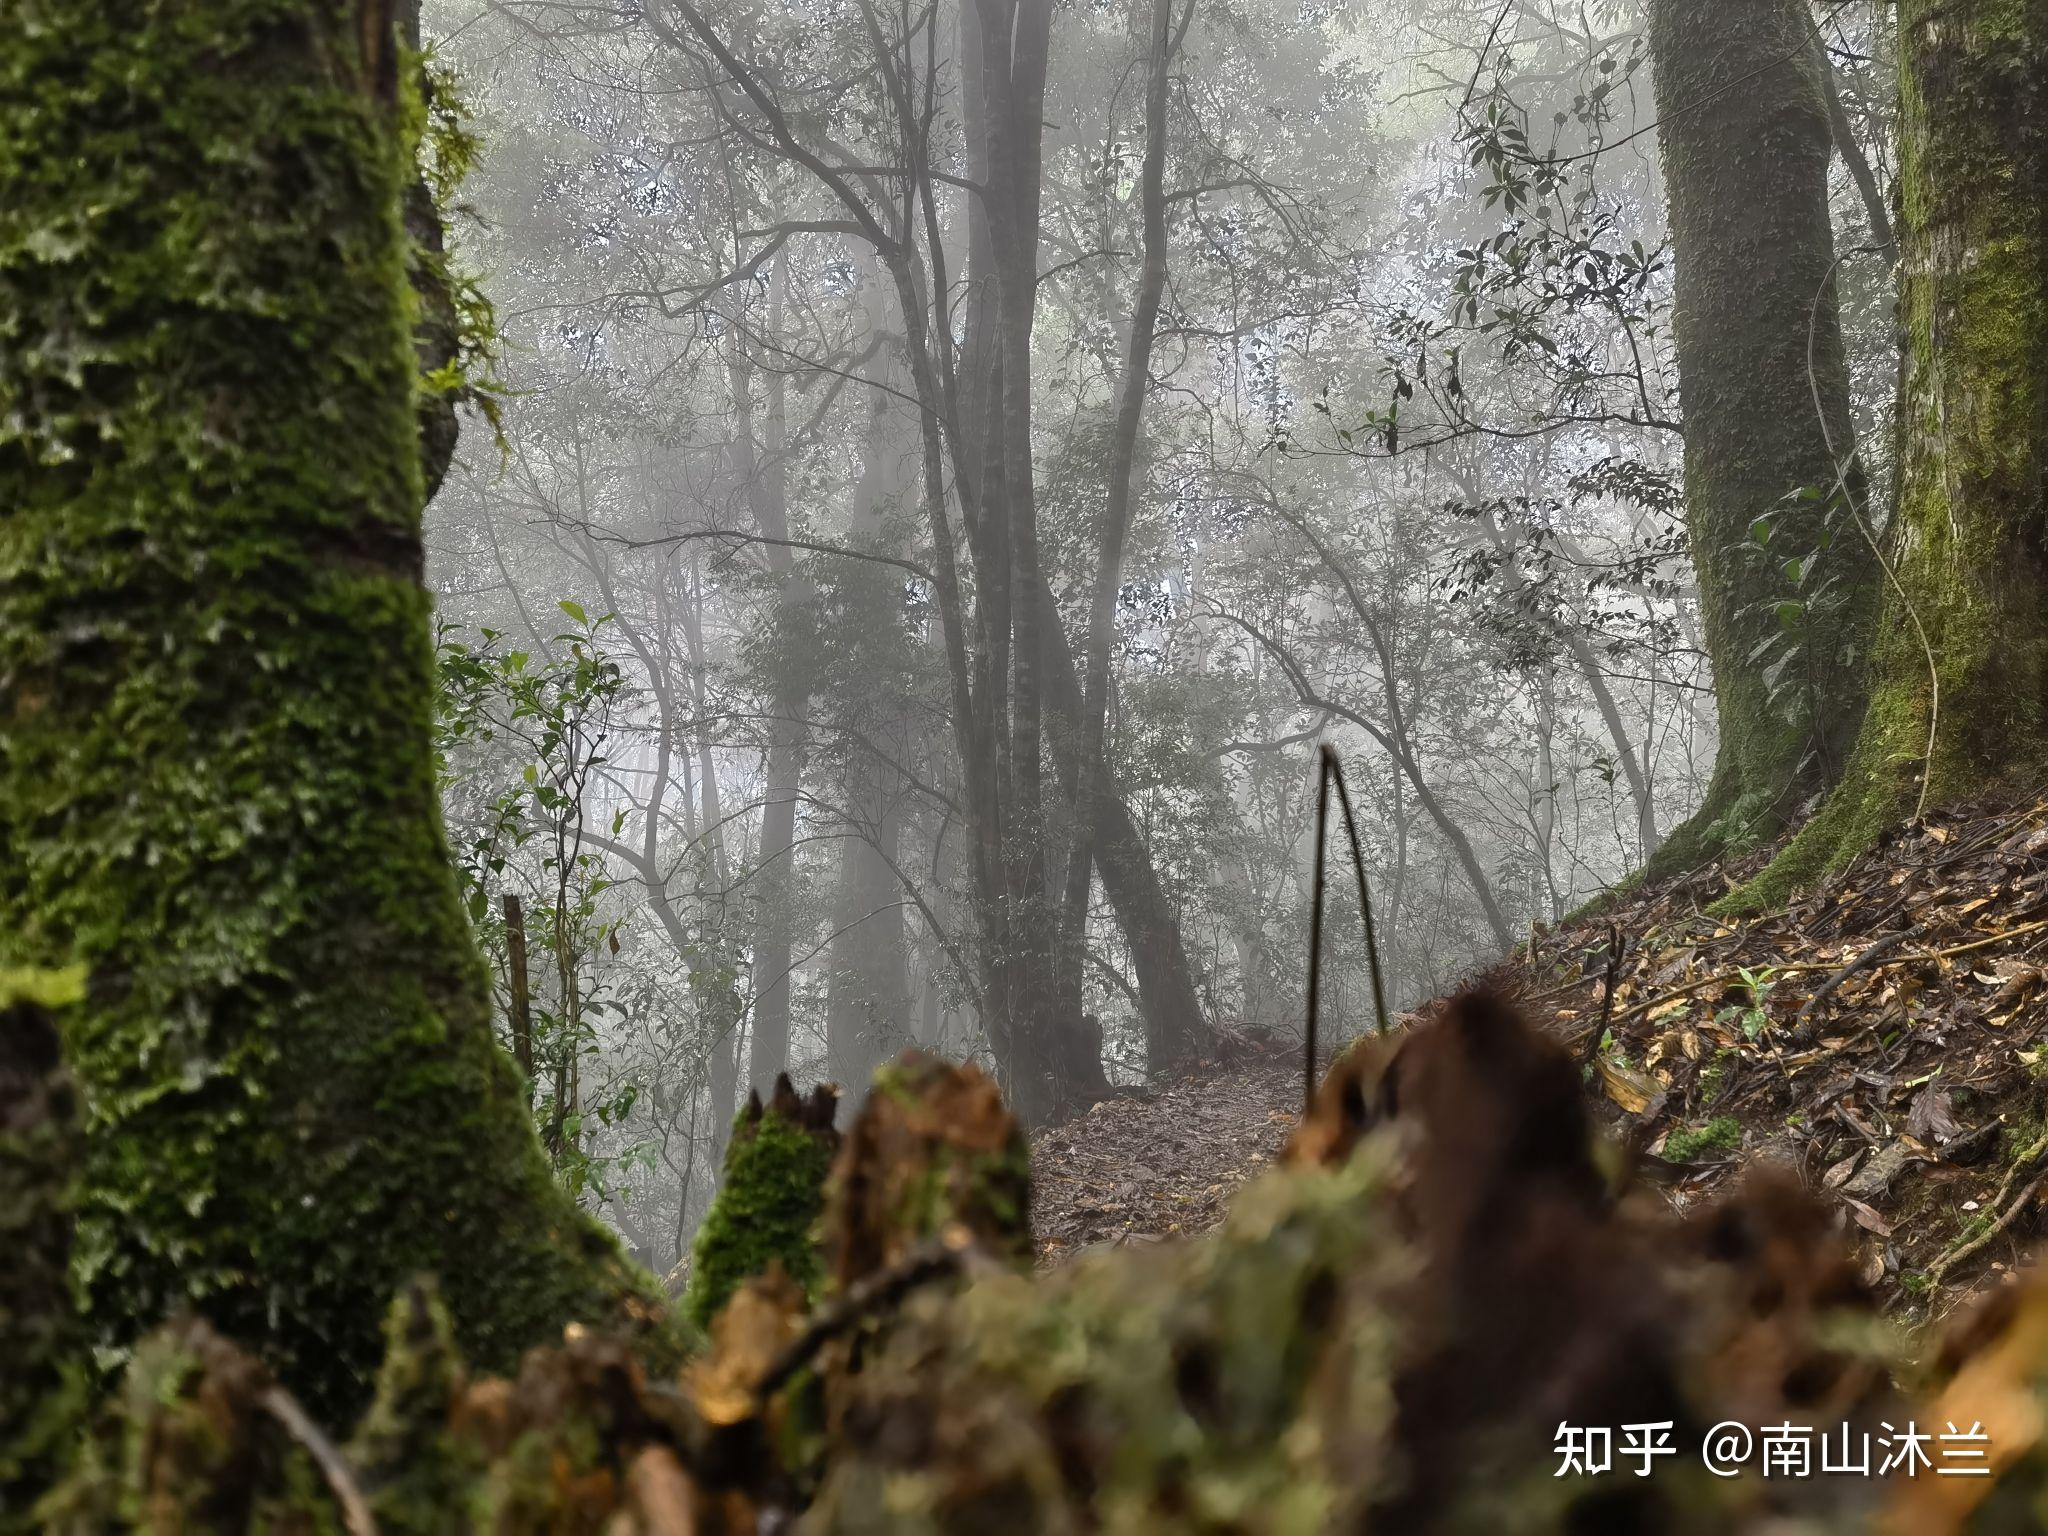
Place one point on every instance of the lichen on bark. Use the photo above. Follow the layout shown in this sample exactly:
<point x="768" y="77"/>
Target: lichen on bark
<point x="215" y="687"/>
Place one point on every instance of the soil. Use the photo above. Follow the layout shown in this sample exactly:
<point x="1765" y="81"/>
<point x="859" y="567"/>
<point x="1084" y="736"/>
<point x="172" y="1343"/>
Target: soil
<point x="1882" y="1036"/>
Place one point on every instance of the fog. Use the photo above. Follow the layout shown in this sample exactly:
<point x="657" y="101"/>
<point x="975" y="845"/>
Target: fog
<point x="929" y="490"/>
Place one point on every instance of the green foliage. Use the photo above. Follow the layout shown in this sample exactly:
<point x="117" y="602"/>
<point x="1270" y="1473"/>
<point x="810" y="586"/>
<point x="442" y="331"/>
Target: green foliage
<point x="519" y="741"/>
<point x="445" y="148"/>
<point x="1752" y="1016"/>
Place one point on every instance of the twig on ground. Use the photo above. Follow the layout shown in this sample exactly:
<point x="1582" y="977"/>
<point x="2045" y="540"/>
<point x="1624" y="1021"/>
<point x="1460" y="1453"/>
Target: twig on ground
<point x="2008" y="1214"/>
<point x="1821" y="993"/>
<point x="334" y="1467"/>
<point x="949" y="1254"/>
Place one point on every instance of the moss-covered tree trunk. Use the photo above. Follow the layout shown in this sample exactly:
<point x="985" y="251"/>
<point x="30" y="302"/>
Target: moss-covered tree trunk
<point x="40" y="1398"/>
<point x="1743" y="122"/>
<point x="1959" y="695"/>
<point x="215" y="684"/>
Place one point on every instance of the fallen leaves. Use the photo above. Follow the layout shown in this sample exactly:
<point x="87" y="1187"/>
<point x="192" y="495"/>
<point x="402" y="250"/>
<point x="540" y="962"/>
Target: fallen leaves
<point x="1874" y="1031"/>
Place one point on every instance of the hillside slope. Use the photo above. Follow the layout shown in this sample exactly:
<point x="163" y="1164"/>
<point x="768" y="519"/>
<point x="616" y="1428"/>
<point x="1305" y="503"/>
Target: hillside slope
<point x="1882" y="1036"/>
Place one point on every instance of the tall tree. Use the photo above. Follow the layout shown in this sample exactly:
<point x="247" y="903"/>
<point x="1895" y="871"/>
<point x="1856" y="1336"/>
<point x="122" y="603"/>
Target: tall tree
<point x="1786" y="607"/>
<point x="1959" y="679"/>
<point x="867" y="1010"/>
<point x="216" y="790"/>
<point x="763" y="468"/>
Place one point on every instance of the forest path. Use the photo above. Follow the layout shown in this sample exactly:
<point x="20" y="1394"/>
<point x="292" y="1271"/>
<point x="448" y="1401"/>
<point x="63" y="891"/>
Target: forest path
<point x="1886" y="1036"/>
<point x="1140" y="1170"/>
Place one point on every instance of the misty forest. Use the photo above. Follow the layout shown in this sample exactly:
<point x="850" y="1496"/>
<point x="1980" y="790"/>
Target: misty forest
<point x="1013" y="766"/>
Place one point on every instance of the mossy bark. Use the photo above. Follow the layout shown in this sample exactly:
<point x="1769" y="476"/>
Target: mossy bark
<point x="933" y="1154"/>
<point x="437" y="326"/>
<point x="1743" y="123"/>
<point x="41" y="1385"/>
<point x="769" y="1199"/>
<point x="215" y="685"/>
<point x="1959" y="686"/>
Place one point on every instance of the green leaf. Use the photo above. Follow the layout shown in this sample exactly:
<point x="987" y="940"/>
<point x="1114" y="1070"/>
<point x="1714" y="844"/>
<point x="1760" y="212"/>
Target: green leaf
<point x="574" y="609"/>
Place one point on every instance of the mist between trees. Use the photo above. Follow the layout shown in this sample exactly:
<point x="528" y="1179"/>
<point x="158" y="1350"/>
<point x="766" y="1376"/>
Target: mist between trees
<point x="954" y="464"/>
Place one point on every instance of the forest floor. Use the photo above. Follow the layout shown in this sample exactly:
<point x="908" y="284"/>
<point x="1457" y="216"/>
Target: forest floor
<point x="1138" y="1169"/>
<point x="1883" y="1035"/>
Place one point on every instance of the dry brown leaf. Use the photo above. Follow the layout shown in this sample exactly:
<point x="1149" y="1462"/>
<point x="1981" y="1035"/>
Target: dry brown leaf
<point x="1929" y="1119"/>
<point x="746" y="1337"/>
<point x="1632" y="1090"/>
<point x="1838" y="1175"/>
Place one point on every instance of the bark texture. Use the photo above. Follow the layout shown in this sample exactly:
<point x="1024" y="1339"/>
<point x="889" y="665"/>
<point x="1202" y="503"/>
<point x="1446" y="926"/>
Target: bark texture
<point x="42" y="1389"/>
<point x="1743" y="122"/>
<point x="1968" y="543"/>
<point x="216" y="791"/>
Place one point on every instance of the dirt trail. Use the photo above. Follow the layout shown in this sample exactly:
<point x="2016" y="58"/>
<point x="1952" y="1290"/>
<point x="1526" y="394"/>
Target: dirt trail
<point x="1138" y="1170"/>
<point x="1886" y="1042"/>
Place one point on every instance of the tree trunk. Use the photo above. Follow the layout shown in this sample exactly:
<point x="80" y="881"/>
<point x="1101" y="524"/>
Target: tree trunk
<point x="764" y="471"/>
<point x="1092" y="771"/>
<point x="519" y="987"/>
<point x="42" y="1391"/>
<point x="867" y="1011"/>
<point x="216" y="784"/>
<point x="1745" y="132"/>
<point x="1176" y="1028"/>
<point x="1959" y="681"/>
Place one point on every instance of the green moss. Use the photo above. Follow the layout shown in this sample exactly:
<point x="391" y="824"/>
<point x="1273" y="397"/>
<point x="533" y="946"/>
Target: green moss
<point x="766" y="1212"/>
<point x="414" y="1467"/>
<point x="1242" y="1383"/>
<point x="187" y="1442"/>
<point x="215" y="685"/>
<point x="42" y="1383"/>
<point x="932" y="1150"/>
<point x="1759" y="340"/>
<point x="1689" y="1143"/>
<point x="1713" y="1076"/>
<point x="2021" y="1129"/>
<point x="1968" y="543"/>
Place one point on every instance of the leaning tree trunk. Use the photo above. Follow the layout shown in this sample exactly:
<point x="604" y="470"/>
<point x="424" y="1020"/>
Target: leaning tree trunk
<point x="1745" y="132"/>
<point x="1113" y="530"/>
<point x="1959" y="680"/>
<point x="216" y="786"/>
<point x="1177" y="1030"/>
